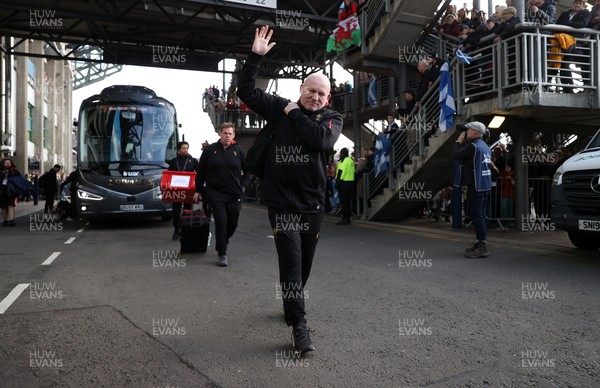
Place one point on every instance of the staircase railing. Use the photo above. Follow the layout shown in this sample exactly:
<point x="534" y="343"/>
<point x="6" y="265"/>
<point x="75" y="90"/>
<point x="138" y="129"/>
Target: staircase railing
<point x="410" y="140"/>
<point x="369" y="17"/>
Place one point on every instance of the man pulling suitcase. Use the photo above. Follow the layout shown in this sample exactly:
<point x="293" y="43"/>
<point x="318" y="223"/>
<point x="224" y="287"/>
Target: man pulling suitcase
<point x="219" y="182"/>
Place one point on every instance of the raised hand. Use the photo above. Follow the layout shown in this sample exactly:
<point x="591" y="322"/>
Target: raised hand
<point x="261" y="44"/>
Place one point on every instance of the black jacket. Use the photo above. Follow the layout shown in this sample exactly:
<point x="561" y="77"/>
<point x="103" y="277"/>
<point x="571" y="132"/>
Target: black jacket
<point x="507" y="27"/>
<point x="423" y="85"/>
<point x="595" y="17"/>
<point x="546" y="14"/>
<point x="48" y="182"/>
<point x="295" y="171"/>
<point x="221" y="169"/>
<point x="580" y="20"/>
<point x="6" y="174"/>
<point x="180" y="163"/>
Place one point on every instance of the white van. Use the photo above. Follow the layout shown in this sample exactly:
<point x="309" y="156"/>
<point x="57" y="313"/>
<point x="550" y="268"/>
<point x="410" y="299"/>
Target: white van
<point x="575" y="196"/>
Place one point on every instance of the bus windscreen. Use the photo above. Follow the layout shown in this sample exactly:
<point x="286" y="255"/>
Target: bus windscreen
<point x="127" y="133"/>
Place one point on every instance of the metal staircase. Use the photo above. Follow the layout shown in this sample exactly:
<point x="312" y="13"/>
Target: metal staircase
<point x="511" y="77"/>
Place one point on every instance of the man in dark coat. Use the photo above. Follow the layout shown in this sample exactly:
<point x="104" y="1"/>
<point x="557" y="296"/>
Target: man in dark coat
<point x="49" y="184"/>
<point x="220" y="183"/>
<point x="294" y="177"/>
<point x="182" y="162"/>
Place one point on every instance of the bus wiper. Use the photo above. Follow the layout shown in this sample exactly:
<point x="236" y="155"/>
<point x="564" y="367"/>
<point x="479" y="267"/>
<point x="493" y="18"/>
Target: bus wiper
<point x="151" y="164"/>
<point x="96" y="167"/>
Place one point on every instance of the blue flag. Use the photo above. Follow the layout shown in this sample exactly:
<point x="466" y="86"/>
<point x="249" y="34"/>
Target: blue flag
<point x="383" y="145"/>
<point x="464" y="57"/>
<point x="446" y="98"/>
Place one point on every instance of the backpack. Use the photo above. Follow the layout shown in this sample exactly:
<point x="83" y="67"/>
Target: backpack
<point x="43" y="180"/>
<point x="257" y="154"/>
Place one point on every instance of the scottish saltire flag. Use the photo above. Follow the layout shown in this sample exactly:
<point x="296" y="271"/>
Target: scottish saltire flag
<point x="446" y="98"/>
<point x="383" y="145"/>
<point x="372" y="91"/>
<point x="345" y="35"/>
<point x="463" y="57"/>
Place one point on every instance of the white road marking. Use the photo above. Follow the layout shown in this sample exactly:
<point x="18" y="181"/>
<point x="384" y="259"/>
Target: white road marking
<point x="80" y="230"/>
<point x="51" y="258"/>
<point x="270" y="237"/>
<point x="10" y="298"/>
<point x="69" y="241"/>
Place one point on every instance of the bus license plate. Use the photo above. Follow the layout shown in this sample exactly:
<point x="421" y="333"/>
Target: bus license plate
<point x="589" y="225"/>
<point x="132" y="207"/>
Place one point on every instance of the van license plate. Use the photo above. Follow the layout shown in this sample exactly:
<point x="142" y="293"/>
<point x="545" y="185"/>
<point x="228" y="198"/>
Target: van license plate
<point x="589" y="225"/>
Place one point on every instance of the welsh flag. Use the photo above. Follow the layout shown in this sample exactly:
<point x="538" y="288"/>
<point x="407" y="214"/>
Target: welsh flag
<point x="345" y="35"/>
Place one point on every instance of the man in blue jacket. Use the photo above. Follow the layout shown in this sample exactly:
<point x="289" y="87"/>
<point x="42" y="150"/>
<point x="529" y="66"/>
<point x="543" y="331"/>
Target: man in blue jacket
<point x="476" y="157"/>
<point x="294" y="178"/>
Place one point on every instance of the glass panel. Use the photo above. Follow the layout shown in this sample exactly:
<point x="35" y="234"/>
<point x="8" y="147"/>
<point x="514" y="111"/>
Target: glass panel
<point x="127" y="133"/>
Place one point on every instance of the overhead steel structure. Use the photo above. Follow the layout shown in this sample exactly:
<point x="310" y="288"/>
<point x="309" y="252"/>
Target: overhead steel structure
<point x="203" y="32"/>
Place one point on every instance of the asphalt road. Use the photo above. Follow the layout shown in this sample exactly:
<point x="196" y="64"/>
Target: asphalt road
<point x="119" y="306"/>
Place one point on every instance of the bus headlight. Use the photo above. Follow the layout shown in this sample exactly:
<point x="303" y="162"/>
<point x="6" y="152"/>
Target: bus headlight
<point x="157" y="193"/>
<point x="87" y="195"/>
<point x="557" y="180"/>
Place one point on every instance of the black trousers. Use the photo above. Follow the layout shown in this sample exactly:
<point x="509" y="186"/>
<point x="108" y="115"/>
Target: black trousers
<point x="177" y="212"/>
<point x="49" y="202"/>
<point x="296" y="236"/>
<point x="226" y="216"/>
<point x="346" y="191"/>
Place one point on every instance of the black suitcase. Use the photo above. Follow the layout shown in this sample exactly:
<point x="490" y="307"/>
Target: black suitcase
<point x="195" y="228"/>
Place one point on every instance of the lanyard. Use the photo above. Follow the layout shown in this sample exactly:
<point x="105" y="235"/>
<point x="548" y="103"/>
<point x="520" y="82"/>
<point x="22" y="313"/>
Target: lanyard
<point x="184" y="165"/>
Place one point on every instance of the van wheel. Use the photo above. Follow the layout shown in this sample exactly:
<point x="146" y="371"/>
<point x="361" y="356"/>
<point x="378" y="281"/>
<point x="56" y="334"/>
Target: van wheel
<point x="584" y="240"/>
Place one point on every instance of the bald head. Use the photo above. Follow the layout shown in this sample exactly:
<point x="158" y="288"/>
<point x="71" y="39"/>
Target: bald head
<point x="314" y="92"/>
<point x="318" y="78"/>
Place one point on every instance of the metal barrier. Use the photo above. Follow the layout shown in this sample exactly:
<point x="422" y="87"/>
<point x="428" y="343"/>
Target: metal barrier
<point x="532" y="62"/>
<point x="501" y="209"/>
<point x="242" y="119"/>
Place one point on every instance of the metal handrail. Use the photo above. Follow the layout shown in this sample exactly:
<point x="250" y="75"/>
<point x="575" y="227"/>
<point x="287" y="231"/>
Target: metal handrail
<point x="410" y="140"/>
<point x="368" y="18"/>
<point x="523" y="63"/>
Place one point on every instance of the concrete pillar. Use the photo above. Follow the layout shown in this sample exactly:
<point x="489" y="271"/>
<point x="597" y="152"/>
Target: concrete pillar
<point x="520" y="140"/>
<point x="40" y="88"/>
<point x="3" y="85"/>
<point x="356" y="116"/>
<point x="22" y="120"/>
<point x="68" y="116"/>
<point x="403" y="84"/>
<point x="392" y="94"/>
<point x="7" y="96"/>
<point x="520" y="6"/>
<point x="59" y="135"/>
<point x="51" y="124"/>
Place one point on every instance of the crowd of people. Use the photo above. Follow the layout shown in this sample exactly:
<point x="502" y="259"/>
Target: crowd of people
<point x="471" y="27"/>
<point x="16" y="188"/>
